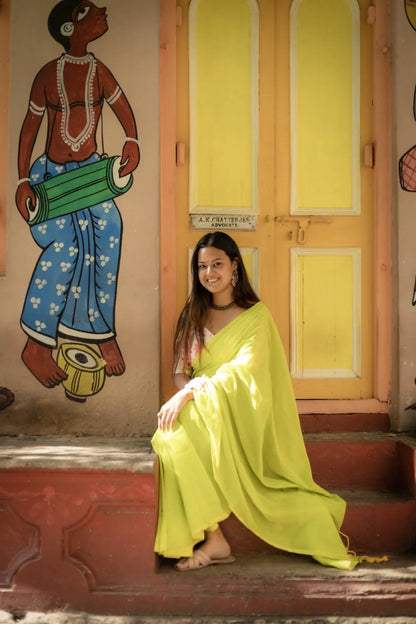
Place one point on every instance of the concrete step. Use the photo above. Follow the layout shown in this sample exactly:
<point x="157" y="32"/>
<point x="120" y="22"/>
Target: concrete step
<point x="292" y="585"/>
<point x="362" y="460"/>
<point x="278" y="585"/>
<point x="375" y="473"/>
<point x="67" y="617"/>
<point x="379" y="522"/>
<point x="77" y="519"/>
<point x="344" y="423"/>
<point x="375" y="522"/>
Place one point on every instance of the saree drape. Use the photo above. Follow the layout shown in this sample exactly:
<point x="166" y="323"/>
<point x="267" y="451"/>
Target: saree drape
<point x="238" y="447"/>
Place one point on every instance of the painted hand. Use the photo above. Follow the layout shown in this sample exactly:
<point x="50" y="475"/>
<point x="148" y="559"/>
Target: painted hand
<point x="25" y="196"/>
<point x="130" y="158"/>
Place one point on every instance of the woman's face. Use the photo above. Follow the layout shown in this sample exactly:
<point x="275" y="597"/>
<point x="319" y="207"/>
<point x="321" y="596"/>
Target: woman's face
<point x="215" y="270"/>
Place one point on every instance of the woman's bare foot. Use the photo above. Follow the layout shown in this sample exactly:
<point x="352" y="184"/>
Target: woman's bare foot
<point x="38" y="358"/>
<point x="215" y="549"/>
<point x="112" y="355"/>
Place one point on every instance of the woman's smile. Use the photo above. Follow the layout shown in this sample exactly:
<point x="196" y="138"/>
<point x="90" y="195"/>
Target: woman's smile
<point x="215" y="270"/>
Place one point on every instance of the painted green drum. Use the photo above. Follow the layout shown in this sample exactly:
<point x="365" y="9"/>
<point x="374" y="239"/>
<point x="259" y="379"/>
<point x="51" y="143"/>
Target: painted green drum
<point x="79" y="189"/>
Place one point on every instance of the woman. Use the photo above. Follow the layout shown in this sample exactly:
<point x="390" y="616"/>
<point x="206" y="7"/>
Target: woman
<point x="229" y="441"/>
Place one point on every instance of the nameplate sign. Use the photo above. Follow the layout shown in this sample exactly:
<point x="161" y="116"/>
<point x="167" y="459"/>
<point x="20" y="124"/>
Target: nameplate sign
<point x="223" y="222"/>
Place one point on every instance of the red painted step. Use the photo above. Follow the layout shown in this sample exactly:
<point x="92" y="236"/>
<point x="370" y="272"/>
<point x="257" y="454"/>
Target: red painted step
<point x="376" y="523"/>
<point x="274" y="585"/>
<point x="343" y="423"/>
<point x="379" y="522"/>
<point x="375" y="474"/>
<point x="349" y="461"/>
<point x="77" y="520"/>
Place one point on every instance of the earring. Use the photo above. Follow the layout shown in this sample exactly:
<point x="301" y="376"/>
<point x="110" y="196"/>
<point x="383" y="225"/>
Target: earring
<point x="67" y="29"/>
<point x="234" y="278"/>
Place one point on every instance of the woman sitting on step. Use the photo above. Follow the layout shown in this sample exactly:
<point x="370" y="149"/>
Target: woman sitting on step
<point x="229" y="441"/>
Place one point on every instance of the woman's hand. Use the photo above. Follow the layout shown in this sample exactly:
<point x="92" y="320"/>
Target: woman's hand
<point x="169" y="412"/>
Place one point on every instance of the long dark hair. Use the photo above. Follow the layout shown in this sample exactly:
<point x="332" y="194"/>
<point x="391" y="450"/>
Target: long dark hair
<point x="192" y="319"/>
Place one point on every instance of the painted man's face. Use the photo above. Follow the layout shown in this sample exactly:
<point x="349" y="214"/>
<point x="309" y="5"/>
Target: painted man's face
<point x="90" y="21"/>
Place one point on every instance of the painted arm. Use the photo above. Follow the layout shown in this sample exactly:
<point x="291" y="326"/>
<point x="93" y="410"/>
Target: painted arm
<point x="28" y="134"/>
<point x="118" y="102"/>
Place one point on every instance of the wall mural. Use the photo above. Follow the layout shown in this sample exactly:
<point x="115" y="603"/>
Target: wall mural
<point x="407" y="163"/>
<point x="66" y="196"/>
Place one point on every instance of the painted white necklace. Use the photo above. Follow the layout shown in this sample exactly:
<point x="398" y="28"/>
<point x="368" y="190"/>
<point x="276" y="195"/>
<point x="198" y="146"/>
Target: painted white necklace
<point x="76" y="142"/>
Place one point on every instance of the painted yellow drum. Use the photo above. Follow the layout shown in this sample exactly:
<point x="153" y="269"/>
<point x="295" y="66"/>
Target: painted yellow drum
<point x="85" y="370"/>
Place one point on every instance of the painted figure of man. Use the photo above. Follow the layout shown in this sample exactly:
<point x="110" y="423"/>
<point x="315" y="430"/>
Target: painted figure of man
<point x="73" y="287"/>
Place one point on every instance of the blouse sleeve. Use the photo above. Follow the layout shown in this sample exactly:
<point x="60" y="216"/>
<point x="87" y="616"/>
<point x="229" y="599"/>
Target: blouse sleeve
<point x="180" y="364"/>
<point x="183" y="362"/>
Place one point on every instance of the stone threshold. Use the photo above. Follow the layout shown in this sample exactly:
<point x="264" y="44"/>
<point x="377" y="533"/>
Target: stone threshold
<point x="77" y="453"/>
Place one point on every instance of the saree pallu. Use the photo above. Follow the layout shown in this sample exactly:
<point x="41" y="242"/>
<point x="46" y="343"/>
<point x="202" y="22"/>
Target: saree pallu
<point x="238" y="447"/>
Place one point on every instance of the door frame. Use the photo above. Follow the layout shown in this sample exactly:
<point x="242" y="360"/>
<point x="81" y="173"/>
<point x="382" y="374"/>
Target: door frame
<point x="170" y="20"/>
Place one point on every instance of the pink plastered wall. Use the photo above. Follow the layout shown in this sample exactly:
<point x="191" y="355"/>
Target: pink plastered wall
<point x="126" y="405"/>
<point x="404" y="223"/>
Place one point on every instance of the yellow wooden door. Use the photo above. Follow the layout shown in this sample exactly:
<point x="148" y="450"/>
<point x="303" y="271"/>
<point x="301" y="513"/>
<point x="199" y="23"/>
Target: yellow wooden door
<point x="274" y="124"/>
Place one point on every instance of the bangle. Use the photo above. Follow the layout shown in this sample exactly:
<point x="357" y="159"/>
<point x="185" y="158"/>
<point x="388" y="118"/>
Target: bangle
<point x="131" y="139"/>
<point x="19" y="182"/>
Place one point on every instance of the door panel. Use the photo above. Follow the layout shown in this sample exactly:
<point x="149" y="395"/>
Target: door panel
<point x="223" y="70"/>
<point x="314" y="199"/>
<point x="325" y="313"/>
<point x="325" y="101"/>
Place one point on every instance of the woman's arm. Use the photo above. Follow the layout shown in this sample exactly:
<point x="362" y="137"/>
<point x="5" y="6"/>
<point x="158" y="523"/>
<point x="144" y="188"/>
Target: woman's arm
<point x="180" y="380"/>
<point x="169" y="412"/>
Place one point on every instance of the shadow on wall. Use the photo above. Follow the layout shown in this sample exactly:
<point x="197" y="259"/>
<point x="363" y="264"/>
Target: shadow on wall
<point x="6" y="397"/>
<point x="407" y="163"/>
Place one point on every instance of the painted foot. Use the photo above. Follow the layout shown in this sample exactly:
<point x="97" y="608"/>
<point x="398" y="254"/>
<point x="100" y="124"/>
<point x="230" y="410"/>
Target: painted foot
<point x="112" y="355"/>
<point x="38" y="359"/>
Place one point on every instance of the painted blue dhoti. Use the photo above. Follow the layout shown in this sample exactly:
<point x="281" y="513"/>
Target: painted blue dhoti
<point x="72" y="290"/>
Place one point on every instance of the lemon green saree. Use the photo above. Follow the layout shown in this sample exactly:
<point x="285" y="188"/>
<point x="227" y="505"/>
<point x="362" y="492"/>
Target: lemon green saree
<point x="238" y="447"/>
